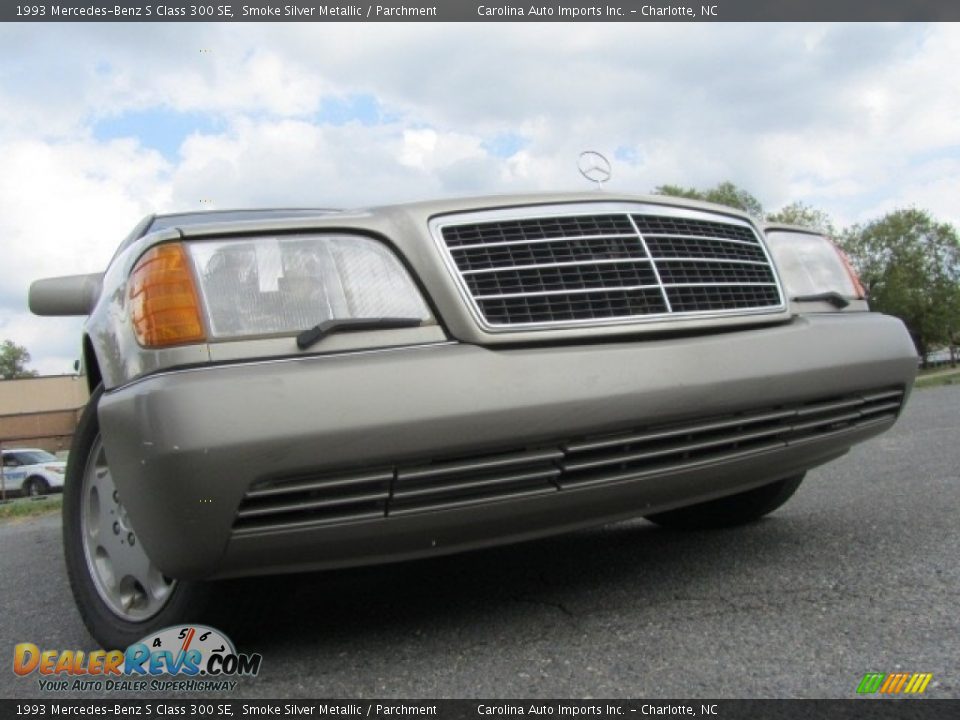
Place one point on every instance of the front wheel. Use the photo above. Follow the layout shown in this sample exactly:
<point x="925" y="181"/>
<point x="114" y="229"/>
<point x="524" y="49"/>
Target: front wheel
<point x="732" y="510"/>
<point x="122" y="596"/>
<point x="35" y="487"/>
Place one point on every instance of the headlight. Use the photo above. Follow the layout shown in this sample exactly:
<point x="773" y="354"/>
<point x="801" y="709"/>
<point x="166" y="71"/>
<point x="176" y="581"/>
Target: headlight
<point x="813" y="268"/>
<point x="283" y="285"/>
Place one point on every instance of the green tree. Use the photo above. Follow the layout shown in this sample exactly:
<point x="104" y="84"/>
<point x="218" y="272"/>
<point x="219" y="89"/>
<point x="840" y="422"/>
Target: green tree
<point x="799" y="213"/>
<point x="910" y="265"/>
<point x="13" y="361"/>
<point x="726" y="193"/>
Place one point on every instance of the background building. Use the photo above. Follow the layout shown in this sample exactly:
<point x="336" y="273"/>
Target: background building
<point x="41" y="412"/>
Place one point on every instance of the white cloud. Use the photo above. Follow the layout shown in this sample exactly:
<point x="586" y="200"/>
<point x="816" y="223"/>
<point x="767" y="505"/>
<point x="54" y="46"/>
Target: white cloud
<point x="64" y="207"/>
<point x="226" y="79"/>
<point x="63" y="210"/>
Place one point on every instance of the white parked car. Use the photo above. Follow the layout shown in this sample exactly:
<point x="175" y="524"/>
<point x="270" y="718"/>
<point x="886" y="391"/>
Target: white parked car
<point x="32" y="471"/>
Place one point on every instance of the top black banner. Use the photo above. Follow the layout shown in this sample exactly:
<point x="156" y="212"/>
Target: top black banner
<point x="482" y="11"/>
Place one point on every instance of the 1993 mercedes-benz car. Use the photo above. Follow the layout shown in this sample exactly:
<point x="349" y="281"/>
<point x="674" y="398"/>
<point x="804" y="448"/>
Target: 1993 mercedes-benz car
<point x="284" y="390"/>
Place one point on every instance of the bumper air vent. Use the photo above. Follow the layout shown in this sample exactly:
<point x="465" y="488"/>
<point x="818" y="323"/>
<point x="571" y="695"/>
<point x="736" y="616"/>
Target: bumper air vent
<point x="311" y="500"/>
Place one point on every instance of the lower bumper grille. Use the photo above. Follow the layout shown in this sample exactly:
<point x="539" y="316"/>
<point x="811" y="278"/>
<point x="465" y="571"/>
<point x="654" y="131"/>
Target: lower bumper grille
<point x="311" y="500"/>
<point x="673" y="448"/>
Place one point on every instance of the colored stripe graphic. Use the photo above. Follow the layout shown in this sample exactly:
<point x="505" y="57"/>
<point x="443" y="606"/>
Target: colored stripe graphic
<point x="918" y="683"/>
<point x="871" y="683"/>
<point x="894" y="683"/>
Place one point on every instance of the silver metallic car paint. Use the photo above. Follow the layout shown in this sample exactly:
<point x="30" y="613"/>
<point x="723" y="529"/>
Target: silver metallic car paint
<point x="189" y="428"/>
<point x="186" y="445"/>
<point x="67" y="295"/>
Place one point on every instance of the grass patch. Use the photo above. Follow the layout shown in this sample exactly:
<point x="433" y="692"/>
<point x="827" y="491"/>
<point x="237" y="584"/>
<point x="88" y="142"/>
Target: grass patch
<point x="937" y="370"/>
<point x="25" y="507"/>
<point x="937" y="378"/>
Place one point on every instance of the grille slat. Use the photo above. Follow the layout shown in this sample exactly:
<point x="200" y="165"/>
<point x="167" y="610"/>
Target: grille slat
<point x="813" y="409"/>
<point x="545" y="252"/>
<point x="541" y="271"/>
<point x="308" y="500"/>
<point x="674" y="272"/>
<point x="704" y="248"/>
<point x="699" y="299"/>
<point x="304" y="501"/>
<point x="829" y="420"/>
<point x="298" y="506"/>
<point x="872" y="397"/>
<point x="674" y="449"/>
<point x="708" y="238"/>
<point x="679" y="431"/>
<point x="473" y="479"/>
<point x="569" y="307"/>
<point x="881" y="408"/>
<point x="307" y="486"/>
<point x="570" y="263"/>
<point x="462" y="502"/>
<point x="548" y="293"/>
<point x="679" y="464"/>
<point x="467" y="487"/>
<point x="546" y="227"/>
<point x="659" y="225"/>
<point x="498" y="462"/>
<point x="581" y="277"/>
<point x="544" y="240"/>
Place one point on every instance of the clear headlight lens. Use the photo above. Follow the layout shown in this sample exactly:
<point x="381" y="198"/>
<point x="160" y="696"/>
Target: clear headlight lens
<point x="810" y="265"/>
<point x="287" y="284"/>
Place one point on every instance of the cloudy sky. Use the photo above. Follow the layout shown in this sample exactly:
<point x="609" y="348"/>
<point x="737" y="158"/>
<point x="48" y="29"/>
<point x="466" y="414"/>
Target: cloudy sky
<point x="101" y="124"/>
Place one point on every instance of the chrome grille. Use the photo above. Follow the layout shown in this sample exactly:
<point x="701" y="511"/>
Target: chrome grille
<point x="638" y="264"/>
<point x="448" y="483"/>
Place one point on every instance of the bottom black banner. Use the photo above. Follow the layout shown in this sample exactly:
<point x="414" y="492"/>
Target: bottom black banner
<point x="459" y="709"/>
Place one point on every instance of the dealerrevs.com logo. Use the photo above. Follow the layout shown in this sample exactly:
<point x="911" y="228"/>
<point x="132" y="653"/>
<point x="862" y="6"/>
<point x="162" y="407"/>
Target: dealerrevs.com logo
<point x="202" y="657"/>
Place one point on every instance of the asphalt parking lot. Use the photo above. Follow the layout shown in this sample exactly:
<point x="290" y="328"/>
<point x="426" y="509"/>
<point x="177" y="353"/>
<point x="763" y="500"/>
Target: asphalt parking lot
<point x="858" y="573"/>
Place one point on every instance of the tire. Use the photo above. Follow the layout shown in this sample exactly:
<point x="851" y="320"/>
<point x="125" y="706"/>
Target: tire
<point x="35" y="486"/>
<point x="732" y="510"/>
<point x="99" y="544"/>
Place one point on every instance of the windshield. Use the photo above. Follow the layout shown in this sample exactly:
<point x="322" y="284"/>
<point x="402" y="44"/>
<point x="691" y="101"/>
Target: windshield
<point x="34" y="457"/>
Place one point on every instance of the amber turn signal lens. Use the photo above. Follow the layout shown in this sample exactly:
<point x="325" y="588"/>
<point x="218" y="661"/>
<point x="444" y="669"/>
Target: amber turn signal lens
<point x="861" y="293"/>
<point x="164" y="305"/>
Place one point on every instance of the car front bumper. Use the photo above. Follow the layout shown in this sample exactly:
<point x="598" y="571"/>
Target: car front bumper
<point x="186" y="447"/>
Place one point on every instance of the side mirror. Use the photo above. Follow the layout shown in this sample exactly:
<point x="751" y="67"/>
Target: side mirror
<point x="68" y="295"/>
